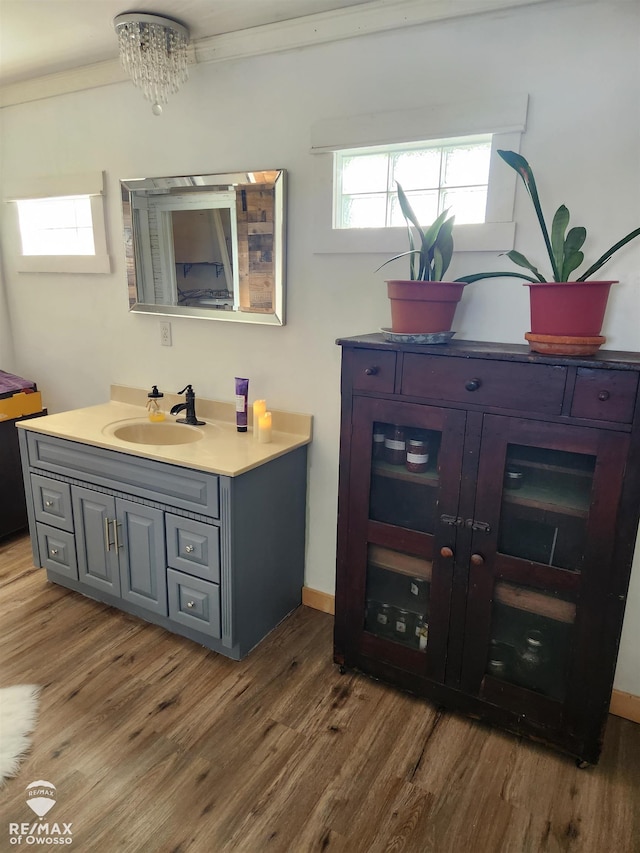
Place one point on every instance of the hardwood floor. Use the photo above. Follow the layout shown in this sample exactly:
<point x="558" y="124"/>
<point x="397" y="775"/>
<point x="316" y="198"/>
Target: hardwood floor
<point x="156" y="745"/>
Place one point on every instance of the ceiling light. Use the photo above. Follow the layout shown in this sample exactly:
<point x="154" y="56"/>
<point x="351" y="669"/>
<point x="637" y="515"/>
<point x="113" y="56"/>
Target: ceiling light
<point x="153" y="52"/>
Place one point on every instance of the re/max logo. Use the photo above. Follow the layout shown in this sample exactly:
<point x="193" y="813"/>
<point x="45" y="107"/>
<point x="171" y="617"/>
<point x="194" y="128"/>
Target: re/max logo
<point x="40" y="833"/>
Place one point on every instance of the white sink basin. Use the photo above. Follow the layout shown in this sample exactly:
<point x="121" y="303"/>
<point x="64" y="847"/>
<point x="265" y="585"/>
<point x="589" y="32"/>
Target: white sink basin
<point x="146" y="432"/>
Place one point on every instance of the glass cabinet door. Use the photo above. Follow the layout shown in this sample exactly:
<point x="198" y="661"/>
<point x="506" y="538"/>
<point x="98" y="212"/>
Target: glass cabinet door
<point x="405" y="461"/>
<point x="535" y="553"/>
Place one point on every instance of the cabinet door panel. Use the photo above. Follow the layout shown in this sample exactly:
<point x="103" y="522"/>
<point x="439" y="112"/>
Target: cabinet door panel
<point x="52" y="502"/>
<point x="547" y="528"/>
<point x="140" y="538"/>
<point x="57" y="551"/>
<point x="193" y="547"/>
<point x="96" y="551"/>
<point x="404" y="489"/>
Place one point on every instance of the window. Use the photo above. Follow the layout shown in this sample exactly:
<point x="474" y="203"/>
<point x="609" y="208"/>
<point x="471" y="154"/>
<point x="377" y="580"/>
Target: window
<point x="444" y="155"/>
<point x="60" y="221"/>
<point x="56" y="226"/>
<point x="449" y="174"/>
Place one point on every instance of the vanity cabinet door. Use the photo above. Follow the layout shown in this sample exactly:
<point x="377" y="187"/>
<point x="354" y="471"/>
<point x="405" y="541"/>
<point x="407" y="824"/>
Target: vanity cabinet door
<point x="139" y="541"/>
<point x="96" y="550"/>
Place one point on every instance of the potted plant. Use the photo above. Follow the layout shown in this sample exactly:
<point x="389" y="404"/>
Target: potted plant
<point x="424" y="303"/>
<point x="566" y="316"/>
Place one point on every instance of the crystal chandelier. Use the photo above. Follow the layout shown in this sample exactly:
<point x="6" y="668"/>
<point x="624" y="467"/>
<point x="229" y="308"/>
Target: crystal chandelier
<point x="153" y="52"/>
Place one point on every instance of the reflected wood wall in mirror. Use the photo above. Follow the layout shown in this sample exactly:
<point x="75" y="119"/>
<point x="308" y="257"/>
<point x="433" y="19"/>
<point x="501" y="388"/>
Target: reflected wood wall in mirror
<point x="208" y="246"/>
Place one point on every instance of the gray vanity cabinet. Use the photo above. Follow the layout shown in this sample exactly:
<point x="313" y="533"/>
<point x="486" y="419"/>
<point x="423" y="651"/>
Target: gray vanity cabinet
<point x="217" y="559"/>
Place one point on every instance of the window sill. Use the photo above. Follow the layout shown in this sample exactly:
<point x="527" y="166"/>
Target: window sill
<point x="64" y="263"/>
<point x="485" y="237"/>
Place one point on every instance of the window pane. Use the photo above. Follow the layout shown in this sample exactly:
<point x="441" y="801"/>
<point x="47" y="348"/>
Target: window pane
<point x="416" y="170"/>
<point x="469" y="204"/>
<point x="435" y="177"/>
<point x="425" y="207"/>
<point x="366" y="211"/>
<point x="364" y="174"/>
<point x="56" y="226"/>
<point x="466" y="165"/>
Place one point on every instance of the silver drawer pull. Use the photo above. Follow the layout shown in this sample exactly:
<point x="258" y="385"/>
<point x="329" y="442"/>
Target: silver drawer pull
<point x="54" y="552"/>
<point x="48" y="503"/>
<point x="190" y="549"/>
<point x="191" y="604"/>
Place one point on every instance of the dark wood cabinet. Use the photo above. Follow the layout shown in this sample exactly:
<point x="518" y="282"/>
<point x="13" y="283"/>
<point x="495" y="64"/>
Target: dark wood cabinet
<point x="488" y="508"/>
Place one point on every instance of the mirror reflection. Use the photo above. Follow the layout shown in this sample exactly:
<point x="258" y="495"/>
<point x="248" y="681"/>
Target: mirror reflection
<point x="207" y="246"/>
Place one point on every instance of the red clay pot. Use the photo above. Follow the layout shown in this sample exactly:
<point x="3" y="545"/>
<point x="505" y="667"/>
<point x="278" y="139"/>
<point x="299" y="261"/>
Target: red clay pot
<point x="423" y="306"/>
<point x="573" y="308"/>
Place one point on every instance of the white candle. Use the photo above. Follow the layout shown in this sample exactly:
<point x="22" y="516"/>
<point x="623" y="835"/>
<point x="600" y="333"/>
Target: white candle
<point x="264" y="428"/>
<point x="259" y="408"/>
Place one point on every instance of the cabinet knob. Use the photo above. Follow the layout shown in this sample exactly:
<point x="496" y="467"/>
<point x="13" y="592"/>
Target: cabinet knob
<point x="446" y="552"/>
<point x="472" y="384"/>
<point x="190" y="549"/>
<point x="603" y="395"/>
<point x="48" y="503"/>
<point x="191" y="604"/>
<point x="54" y="552"/>
<point x="477" y="560"/>
<point x="371" y="371"/>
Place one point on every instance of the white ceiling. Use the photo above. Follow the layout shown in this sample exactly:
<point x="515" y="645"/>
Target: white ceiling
<point x="39" y="37"/>
<point x="42" y="37"/>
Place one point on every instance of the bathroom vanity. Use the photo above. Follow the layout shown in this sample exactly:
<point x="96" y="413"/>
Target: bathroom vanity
<point x="204" y="536"/>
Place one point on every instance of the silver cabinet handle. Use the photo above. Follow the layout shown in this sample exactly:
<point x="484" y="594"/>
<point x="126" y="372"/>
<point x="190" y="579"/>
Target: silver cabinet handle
<point x="116" y="541"/>
<point x="107" y="538"/>
<point x="54" y="552"/>
<point x="191" y="604"/>
<point x="190" y="549"/>
<point x="48" y="503"/>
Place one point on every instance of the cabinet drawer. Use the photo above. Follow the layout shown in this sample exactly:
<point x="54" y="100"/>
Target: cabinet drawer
<point x="193" y="547"/>
<point x="52" y="502"/>
<point x="186" y="488"/>
<point x="525" y="387"/>
<point x="57" y="551"/>
<point x="605" y="395"/>
<point x="194" y="603"/>
<point x="371" y="370"/>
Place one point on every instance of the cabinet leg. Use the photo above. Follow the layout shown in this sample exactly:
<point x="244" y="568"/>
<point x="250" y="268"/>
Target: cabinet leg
<point x="342" y="669"/>
<point x="581" y="764"/>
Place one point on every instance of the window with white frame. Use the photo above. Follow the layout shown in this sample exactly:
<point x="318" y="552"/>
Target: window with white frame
<point x="444" y="156"/>
<point x="451" y="174"/>
<point x="60" y="221"/>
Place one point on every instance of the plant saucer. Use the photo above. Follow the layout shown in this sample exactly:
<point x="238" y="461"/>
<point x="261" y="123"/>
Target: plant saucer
<point x="417" y="337"/>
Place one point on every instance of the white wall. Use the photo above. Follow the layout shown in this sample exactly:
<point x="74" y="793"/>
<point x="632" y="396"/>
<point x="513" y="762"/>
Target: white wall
<point x="74" y="335"/>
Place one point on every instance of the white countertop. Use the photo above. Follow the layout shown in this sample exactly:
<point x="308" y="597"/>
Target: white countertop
<point x="221" y="450"/>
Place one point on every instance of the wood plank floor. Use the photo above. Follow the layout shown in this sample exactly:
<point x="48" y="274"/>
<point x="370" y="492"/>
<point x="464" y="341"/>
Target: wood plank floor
<point x="157" y="745"/>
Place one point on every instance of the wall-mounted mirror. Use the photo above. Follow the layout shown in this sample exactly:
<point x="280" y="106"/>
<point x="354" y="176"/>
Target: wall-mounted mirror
<point x="208" y="246"/>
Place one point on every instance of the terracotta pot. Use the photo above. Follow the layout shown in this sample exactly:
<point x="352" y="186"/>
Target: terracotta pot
<point x="568" y="309"/>
<point x="423" y="306"/>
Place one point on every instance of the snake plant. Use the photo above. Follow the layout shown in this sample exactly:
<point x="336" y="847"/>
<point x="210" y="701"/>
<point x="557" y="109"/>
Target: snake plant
<point x="431" y="260"/>
<point x="563" y="248"/>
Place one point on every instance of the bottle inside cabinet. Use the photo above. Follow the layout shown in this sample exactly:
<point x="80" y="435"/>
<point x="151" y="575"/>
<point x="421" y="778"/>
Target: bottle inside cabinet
<point x="404" y="476"/>
<point x="531" y="635"/>
<point x="398" y="594"/>
<point x="545" y="505"/>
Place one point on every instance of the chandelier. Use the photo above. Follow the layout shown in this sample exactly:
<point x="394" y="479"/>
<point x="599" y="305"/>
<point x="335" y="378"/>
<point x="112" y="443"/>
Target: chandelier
<point x="153" y="52"/>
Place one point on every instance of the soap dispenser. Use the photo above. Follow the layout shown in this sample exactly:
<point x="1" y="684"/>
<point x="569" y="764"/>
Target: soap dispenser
<point x="156" y="414"/>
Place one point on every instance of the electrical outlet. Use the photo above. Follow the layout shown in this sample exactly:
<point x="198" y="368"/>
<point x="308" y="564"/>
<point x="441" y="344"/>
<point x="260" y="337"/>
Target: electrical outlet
<point x="165" y="333"/>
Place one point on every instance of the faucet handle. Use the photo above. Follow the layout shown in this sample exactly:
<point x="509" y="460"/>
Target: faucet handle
<point x="186" y="388"/>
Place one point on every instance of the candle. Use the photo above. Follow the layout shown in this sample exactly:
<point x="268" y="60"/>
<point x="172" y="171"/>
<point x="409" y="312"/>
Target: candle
<point x="264" y="428"/>
<point x="259" y="408"/>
